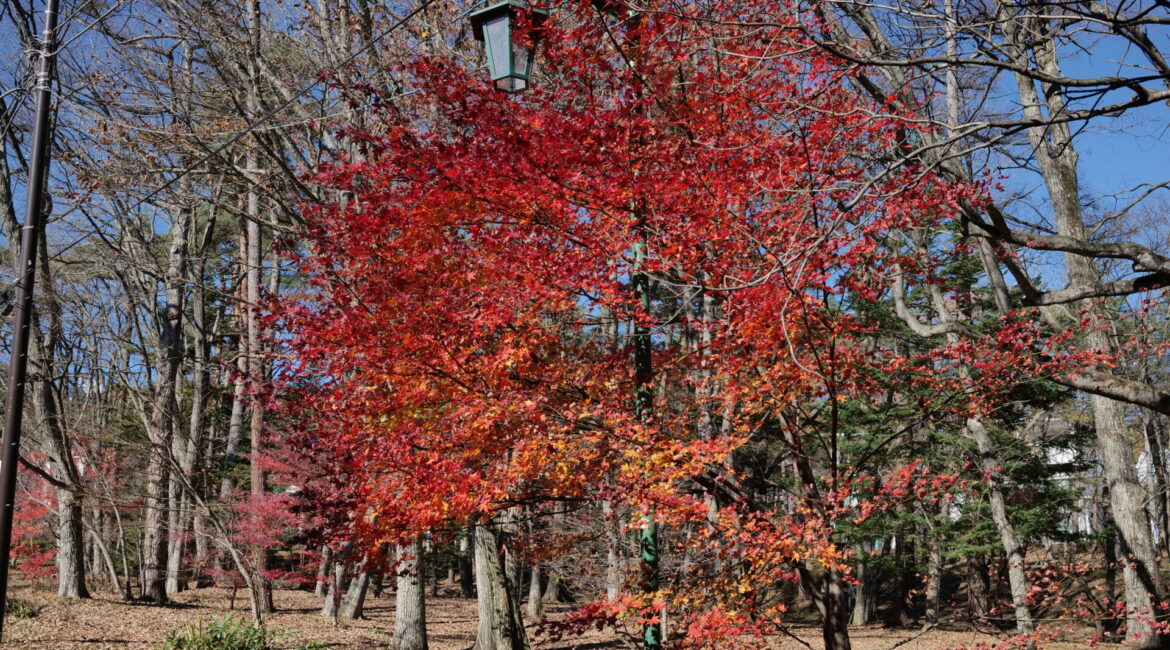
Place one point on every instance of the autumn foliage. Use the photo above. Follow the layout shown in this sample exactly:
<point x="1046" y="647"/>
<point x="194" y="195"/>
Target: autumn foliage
<point x="464" y="338"/>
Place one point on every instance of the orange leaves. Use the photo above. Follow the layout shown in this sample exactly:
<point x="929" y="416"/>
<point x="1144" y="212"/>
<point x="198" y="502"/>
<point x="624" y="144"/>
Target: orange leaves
<point x="469" y="343"/>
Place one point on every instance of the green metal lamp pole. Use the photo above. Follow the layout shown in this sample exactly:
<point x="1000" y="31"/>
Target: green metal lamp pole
<point x="644" y="411"/>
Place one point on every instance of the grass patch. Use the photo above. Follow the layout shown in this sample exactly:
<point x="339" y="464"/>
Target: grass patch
<point x="22" y="608"/>
<point x="227" y="633"/>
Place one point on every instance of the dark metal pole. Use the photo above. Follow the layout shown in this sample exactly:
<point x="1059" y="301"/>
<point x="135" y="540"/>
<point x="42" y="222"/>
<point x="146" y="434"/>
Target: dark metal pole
<point x="22" y="319"/>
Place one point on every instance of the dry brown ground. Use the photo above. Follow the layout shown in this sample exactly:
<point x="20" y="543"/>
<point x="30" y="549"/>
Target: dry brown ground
<point x="106" y="622"/>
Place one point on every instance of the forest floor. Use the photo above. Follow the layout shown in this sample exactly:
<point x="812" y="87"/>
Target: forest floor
<point x="106" y="622"/>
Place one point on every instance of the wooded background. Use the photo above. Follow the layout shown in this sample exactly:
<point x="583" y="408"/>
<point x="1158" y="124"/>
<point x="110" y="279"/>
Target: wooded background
<point x="216" y="219"/>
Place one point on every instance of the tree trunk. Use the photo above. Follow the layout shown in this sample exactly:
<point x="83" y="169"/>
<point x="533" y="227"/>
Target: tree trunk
<point x="978" y="588"/>
<point x="500" y="625"/>
<point x="552" y="588"/>
<point x="535" y="597"/>
<point x="116" y="583"/>
<point x="612" y="545"/>
<point x="259" y="551"/>
<point x="70" y="548"/>
<point x="178" y="523"/>
<point x="163" y="414"/>
<point x="189" y="452"/>
<point x="865" y="590"/>
<point x="355" y="597"/>
<point x="429" y="551"/>
<point x="1057" y="159"/>
<point x="828" y="593"/>
<point x="831" y="598"/>
<point x="1127" y="500"/>
<point x="332" y="605"/>
<point x="378" y="583"/>
<point x="990" y="466"/>
<point x="509" y="529"/>
<point x="239" y="406"/>
<point x="410" y="620"/>
<point x="1111" y="622"/>
<point x="905" y="585"/>
<point x="1013" y="549"/>
<point x="70" y="539"/>
<point x="322" y="585"/>
<point x="934" y="574"/>
<point x="1161" y="489"/>
<point x="466" y="575"/>
<point x="835" y="628"/>
<point x="199" y="569"/>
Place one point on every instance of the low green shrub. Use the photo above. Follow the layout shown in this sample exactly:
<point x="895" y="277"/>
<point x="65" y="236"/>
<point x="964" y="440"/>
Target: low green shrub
<point x="226" y="633"/>
<point x="21" y="608"/>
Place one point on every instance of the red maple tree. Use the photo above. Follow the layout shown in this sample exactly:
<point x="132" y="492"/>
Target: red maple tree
<point x="464" y="341"/>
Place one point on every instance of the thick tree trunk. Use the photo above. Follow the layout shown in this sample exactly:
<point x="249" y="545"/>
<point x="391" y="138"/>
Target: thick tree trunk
<point x="535" y="597"/>
<point x="613" y="540"/>
<point x="322" y="585"/>
<point x="154" y="541"/>
<point x="353" y="607"/>
<point x="410" y="620"/>
<point x="332" y="606"/>
<point x="865" y="590"/>
<point x="70" y="548"/>
<point x="835" y="626"/>
<point x="978" y="588"/>
<point x="831" y="599"/>
<point x="509" y="529"/>
<point x="1159" y="490"/>
<point x="500" y="625"/>
<point x="1127" y="499"/>
<point x="1057" y="159"/>
<point x="552" y="588"/>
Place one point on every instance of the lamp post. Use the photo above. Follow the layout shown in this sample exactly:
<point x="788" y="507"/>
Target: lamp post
<point x="30" y="233"/>
<point x="510" y="62"/>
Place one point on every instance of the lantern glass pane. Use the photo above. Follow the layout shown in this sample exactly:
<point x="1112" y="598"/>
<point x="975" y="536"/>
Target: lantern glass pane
<point x="520" y="60"/>
<point x="498" y="38"/>
<point x="511" y="84"/>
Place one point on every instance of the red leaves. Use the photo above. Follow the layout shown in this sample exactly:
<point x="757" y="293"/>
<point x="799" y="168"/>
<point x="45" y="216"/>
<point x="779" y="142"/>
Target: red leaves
<point x="464" y="340"/>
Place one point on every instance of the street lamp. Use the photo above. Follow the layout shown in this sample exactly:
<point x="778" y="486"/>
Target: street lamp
<point x="510" y="62"/>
